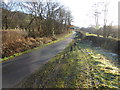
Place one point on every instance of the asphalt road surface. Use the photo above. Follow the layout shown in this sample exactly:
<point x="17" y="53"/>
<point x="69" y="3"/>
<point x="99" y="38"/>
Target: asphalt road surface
<point x="15" y="70"/>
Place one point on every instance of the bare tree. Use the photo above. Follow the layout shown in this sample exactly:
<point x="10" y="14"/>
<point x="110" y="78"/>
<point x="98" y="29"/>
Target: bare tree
<point x="105" y="20"/>
<point x="108" y="30"/>
<point x="97" y="12"/>
<point x="7" y="7"/>
<point x="41" y="18"/>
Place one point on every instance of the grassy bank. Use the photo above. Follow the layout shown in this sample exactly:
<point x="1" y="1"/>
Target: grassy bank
<point x="88" y="34"/>
<point x="101" y="41"/>
<point x="78" y="66"/>
<point x="59" y="38"/>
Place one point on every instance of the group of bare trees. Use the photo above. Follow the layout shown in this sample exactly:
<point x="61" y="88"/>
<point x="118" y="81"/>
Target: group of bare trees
<point x="106" y="31"/>
<point x="38" y="18"/>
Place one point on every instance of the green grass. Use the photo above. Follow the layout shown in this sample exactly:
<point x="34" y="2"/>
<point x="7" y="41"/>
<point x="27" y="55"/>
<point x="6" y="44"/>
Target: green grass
<point x="88" y="34"/>
<point x="27" y="51"/>
<point x="78" y="66"/>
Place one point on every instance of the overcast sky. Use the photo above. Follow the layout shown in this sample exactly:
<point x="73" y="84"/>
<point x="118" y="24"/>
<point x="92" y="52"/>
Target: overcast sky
<point x="83" y="12"/>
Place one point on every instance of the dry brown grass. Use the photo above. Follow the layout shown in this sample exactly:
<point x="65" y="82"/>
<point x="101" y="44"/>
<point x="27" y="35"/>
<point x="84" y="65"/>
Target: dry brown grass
<point x="11" y="36"/>
<point x="15" y="41"/>
<point x="11" y="41"/>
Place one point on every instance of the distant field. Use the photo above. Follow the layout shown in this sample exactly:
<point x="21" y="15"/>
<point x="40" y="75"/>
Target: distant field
<point x="88" y="34"/>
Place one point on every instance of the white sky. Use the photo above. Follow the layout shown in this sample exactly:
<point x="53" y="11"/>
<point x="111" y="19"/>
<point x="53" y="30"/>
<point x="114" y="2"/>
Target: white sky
<point x="82" y="11"/>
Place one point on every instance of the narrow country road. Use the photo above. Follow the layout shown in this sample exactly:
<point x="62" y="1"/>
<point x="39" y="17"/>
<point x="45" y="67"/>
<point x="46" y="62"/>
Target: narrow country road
<point x="14" y="71"/>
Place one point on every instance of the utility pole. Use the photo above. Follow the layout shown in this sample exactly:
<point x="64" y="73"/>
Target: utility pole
<point x="97" y="19"/>
<point x="96" y="14"/>
<point x="105" y="20"/>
